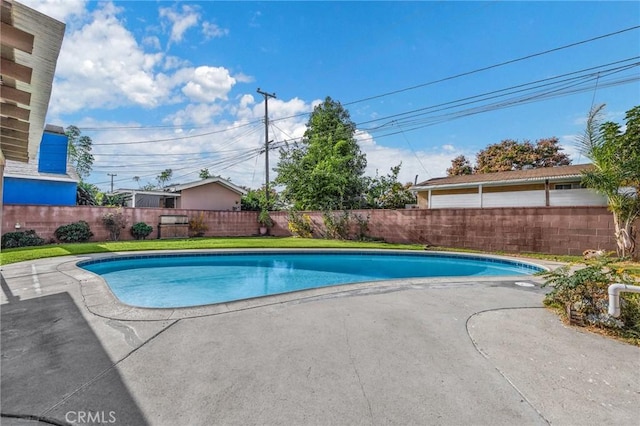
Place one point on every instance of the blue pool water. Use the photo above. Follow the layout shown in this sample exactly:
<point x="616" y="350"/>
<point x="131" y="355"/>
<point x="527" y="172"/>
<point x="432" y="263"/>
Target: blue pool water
<point x="182" y="280"/>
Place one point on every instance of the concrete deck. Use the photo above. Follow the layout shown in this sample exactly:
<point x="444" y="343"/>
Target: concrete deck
<point x="433" y="352"/>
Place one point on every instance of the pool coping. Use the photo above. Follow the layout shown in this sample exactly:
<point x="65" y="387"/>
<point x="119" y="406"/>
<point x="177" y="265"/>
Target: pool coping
<point x="100" y="300"/>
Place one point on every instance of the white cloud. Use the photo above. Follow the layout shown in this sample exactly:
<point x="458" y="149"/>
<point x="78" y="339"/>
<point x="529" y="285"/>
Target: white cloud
<point x="211" y="30"/>
<point x="174" y="62"/>
<point x="102" y="65"/>
<point x="206" y="84"/>
<point x="180" y="21"/>
<point x="243" y="78"/>
<point x="62" y="10"/>
<point x="152" y="41"/>
<point x="198" y="114"/>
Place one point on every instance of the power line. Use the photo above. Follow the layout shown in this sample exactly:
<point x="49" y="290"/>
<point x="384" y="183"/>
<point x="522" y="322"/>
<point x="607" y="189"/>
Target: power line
<point x="464" y="74"/>
<point x="467" y="73"/>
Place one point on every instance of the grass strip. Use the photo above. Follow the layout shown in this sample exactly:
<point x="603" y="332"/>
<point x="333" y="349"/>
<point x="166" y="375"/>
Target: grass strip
<point x="32" y="253"/>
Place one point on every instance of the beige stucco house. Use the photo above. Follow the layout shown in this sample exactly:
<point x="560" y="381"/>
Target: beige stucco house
<point x="549" y="186"/>
<point x="207" y="194"/>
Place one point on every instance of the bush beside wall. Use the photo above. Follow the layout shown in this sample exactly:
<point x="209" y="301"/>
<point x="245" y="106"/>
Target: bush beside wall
<point x="555" y="230"/>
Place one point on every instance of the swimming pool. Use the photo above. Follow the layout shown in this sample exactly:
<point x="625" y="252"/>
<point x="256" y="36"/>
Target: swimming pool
<point x="194" y="279"/>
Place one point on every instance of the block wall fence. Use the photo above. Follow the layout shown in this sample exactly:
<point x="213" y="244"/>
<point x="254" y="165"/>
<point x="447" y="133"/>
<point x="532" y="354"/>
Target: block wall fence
<point x="553" y="230"/>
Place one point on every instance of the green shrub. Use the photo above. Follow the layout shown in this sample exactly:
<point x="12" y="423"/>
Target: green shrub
<point x="197" y="227"/>
<point x="362" y="227"/>
<point x="141" y="230"/>
<point x="115" y="222"/>
<point x="585" y="291"/>
<point x="336" y="225"/>
<point x="76" y="232"/>
<point x="300" y="224"/>
<point x="264" y="219"/>
<point x="26" y="238"/>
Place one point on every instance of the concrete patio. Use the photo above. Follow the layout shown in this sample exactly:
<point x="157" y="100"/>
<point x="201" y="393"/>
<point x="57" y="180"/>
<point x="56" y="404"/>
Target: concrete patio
<point x="422" y="351"/>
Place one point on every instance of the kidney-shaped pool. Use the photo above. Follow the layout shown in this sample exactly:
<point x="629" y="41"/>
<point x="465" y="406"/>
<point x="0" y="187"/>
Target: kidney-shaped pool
<point x="194" y="279"/>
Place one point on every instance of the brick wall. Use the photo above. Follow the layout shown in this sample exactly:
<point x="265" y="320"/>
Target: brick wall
<point x="557" y="230"/>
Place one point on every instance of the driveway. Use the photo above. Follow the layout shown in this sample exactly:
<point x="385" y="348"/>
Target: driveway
<point x="433" y="352"/>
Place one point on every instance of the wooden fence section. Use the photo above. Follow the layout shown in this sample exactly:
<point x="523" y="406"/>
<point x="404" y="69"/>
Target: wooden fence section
<point x="555" y="230"/>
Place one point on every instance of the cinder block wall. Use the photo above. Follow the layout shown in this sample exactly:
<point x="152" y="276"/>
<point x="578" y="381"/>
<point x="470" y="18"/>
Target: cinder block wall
<point x="46" y="219"/>
<point x="556" y="230"/>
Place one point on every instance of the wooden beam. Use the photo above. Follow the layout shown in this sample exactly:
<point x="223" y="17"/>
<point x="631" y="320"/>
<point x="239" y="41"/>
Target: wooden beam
<point x="14" y="111"/>
<point x="14" y="134"/>
<point x="18" y="39"/>
<point x="15" y="154"/>
<point x="15" y="95"/>
<point x="12" y="123"/>
<point x="19" y="72"/>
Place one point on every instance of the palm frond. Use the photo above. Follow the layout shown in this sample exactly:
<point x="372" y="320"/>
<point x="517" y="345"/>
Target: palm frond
<point x="592" y="139"/>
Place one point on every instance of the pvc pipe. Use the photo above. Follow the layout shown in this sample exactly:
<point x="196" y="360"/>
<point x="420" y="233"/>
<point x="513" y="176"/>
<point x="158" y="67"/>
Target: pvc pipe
<point x="614" y="296"/>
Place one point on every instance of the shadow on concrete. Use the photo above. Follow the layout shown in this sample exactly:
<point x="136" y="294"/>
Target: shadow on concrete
<point x="55" y="370"/>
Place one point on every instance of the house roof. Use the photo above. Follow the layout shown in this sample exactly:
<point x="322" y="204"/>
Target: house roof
<point x="29" y="170"/>
<point x="130" y="192"/>
<point x="510" y="177"/>
<point x="223" y="182"/>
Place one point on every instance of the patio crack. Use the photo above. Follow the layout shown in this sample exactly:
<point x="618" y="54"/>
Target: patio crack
<point x="502" y="373"/>
<point x="106" y="370"/>
<point x="355" y="369"/>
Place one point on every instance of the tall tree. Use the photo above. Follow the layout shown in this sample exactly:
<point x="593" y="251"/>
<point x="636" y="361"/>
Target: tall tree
<point x="79" y="151"/>
<point x="616" y="157"/>
<point x="460" y="166"/>
<point x="325" y="170"/>
<point x="164" y="177"/>
<point x="513" y="155"/>
<point x="386" y="192"/>
<point x="548" y="153"/>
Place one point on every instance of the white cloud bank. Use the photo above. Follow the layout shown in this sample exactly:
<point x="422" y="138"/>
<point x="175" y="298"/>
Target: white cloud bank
<point x="102" y="65"/>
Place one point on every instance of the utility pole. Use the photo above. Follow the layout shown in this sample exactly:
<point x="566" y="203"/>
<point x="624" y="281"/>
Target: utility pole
<point x="266" y="142"/>
<point x="112" y="175"/>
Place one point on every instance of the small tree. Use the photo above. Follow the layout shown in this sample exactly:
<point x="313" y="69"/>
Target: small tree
<point x="164" y="177"/>
<point x="616" y="157"/>
<point x="204" y="174"/>
<point x="79" y="151"/>
<point x="386" y="192"/>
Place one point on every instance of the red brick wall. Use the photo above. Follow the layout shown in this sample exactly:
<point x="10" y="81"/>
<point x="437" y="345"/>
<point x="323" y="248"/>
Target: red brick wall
<point x="557" y="230"/>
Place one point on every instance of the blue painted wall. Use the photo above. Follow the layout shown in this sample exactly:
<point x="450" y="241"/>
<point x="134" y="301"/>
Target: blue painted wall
<point x="39" y="192"/>
<point x="53" y="153"/>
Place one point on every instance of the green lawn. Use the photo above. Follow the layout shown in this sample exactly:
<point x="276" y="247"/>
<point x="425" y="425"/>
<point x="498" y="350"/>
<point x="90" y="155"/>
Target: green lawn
<point x="31" y="253"/>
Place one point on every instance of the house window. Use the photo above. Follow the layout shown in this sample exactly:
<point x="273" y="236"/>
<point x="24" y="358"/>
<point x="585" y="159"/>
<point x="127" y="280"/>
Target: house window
<point x="574" y="185"/>
<point x="562" y="186"/>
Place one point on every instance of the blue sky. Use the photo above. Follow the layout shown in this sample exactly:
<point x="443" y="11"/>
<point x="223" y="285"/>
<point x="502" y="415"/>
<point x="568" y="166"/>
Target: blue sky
<point x="160" y="84"/>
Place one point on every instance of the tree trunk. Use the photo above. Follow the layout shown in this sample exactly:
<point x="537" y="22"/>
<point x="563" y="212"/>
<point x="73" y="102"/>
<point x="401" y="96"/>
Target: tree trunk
<point x="624" y="235"/>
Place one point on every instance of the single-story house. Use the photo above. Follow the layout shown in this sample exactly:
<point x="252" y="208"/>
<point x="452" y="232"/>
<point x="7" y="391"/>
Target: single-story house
<point x="207" y="194"/>
<point x="548" y="186"/>
<point x="47" y="180"/>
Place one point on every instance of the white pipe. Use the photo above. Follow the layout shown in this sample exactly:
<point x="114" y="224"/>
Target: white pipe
<point x="614" y="296"/>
